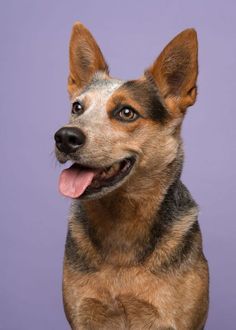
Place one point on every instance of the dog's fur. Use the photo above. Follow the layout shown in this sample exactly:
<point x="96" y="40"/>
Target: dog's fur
<point x="133" y="256"/>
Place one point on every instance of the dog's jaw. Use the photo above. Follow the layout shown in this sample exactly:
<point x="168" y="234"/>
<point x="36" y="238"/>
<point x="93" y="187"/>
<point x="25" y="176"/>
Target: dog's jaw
<point x="86" y="182"/>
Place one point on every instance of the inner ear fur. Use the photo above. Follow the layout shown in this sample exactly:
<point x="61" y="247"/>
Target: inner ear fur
<point x="175" y="71"/>
<point x="85" y="58"/>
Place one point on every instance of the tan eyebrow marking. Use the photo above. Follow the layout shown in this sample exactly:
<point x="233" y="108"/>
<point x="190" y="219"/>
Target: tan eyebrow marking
<point x="123" y="97"/>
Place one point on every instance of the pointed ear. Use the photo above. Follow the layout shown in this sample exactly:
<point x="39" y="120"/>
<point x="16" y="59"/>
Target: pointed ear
<point x="175" y="71"/>
<point x="85" y="58"/>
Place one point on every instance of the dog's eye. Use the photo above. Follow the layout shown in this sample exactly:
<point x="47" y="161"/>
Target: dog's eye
<point x="77" y="108"/>
<point x="127" y="114"/>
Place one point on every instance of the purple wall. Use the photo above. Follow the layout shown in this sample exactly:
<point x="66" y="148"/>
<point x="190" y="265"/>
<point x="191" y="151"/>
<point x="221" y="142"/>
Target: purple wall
<point x="34" y="39"/>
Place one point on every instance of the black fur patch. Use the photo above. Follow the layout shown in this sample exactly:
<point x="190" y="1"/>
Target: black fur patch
<point x="146" y="94"/>
<point x="183" y="250"/>
<point x="88" y="230"/>
<point x="76" y="257"/>
<point x="175" y="205"/>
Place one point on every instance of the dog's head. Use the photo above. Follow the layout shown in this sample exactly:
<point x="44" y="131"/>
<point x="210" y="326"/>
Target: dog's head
<point x="122" y="132"/>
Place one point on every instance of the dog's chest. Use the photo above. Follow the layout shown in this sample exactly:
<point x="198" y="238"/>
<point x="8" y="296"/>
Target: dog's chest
<point x="111" y="284"/>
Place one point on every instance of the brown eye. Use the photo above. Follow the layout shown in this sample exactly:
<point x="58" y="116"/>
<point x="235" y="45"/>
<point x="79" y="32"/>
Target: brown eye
<point x="127" y="114"/>
<point x="77" y="108"/>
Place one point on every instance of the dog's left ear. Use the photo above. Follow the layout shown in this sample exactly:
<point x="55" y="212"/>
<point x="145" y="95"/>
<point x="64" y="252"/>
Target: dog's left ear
<point x="85" y="58"/>
<point x="175" y="72"/>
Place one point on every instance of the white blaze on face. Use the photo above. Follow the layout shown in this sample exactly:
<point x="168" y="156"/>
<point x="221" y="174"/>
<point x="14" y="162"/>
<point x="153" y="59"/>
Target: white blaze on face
<point x="98" y="93"/>
<point x="101" y="137"/>
<point x="98" y="131"/>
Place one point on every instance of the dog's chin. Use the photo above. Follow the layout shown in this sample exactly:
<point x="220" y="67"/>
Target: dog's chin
<point x="105" y="179"/>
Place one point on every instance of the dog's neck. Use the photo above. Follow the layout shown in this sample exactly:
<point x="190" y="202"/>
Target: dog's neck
<point x="120" y="225"/>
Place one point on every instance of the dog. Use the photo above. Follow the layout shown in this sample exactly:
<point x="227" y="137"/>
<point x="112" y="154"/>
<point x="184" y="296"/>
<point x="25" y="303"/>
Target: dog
<point x="133" y="253"/>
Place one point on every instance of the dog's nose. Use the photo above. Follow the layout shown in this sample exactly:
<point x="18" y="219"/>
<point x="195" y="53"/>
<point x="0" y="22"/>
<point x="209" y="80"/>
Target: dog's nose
<point x="69" y="139"/>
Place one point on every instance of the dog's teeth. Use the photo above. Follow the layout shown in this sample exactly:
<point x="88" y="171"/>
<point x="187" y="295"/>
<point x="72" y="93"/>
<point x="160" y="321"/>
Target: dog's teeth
<point x="116" y="166"/>
<point x="96" y="184"/>
<point x="106" y="173"/>
<point x="125" y="167"/>
<point x="103" y="175"/>
<point x="114" y="169"/>
<point x="109" y="172"/>
<point x="108" y="168"/>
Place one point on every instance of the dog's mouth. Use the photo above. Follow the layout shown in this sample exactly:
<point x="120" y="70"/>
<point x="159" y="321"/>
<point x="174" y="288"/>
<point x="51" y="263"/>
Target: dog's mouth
<point x="79" y="180"/>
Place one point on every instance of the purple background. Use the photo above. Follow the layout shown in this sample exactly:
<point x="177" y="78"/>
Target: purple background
<point x="34" y="39"/>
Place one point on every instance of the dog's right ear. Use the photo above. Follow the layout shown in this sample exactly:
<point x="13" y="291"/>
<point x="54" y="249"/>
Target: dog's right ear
<point x="85" y="58"/>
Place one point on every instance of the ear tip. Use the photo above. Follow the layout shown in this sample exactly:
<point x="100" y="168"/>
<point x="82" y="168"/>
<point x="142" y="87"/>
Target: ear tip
<point x="190" y="33"/>
<point x="78" y="26"/>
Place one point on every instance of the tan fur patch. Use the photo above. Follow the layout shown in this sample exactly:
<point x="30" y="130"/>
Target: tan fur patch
<point x="85" y="58"/>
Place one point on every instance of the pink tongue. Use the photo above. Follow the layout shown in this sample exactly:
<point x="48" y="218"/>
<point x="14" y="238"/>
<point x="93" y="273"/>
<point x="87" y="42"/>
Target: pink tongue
<point x="73" y="182"/>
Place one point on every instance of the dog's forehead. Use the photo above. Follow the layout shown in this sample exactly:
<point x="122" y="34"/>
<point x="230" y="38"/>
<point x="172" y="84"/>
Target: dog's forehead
<point x="101" y="87"/>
